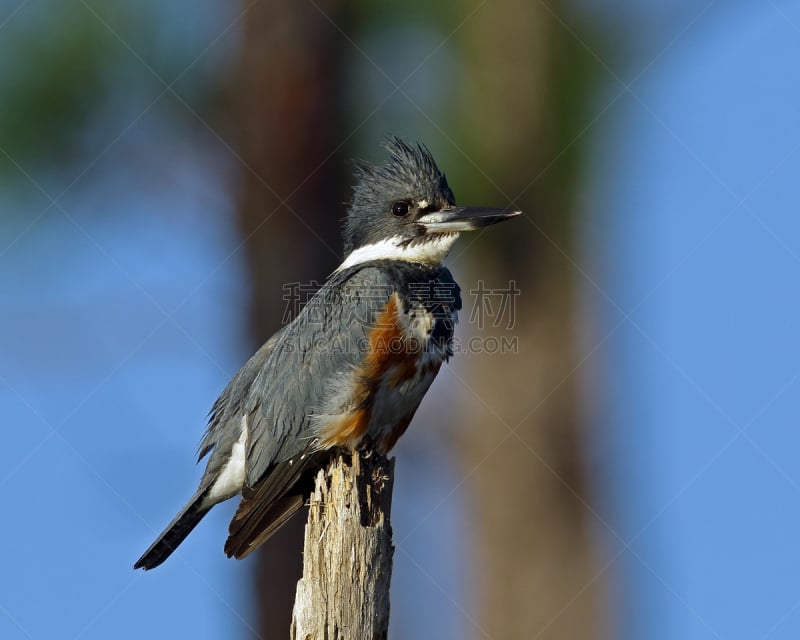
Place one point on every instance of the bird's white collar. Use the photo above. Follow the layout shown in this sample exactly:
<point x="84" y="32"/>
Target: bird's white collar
<point x="431" y="250"/>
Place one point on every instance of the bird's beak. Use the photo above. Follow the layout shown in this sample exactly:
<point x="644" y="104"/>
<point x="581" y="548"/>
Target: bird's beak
<point x="464" y="218"/>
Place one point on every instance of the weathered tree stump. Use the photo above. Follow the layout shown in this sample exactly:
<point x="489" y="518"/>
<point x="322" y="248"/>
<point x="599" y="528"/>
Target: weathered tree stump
<point x="347" y="556"/>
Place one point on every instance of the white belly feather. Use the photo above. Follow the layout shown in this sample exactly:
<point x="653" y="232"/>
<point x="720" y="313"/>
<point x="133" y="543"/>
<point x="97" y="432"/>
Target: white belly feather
<point x="230" y="480"/>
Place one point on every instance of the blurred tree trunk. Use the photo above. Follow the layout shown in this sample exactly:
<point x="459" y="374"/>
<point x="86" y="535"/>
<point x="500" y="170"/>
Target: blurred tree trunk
<point x="535" y="571"/>
<point x="286" y="117"/>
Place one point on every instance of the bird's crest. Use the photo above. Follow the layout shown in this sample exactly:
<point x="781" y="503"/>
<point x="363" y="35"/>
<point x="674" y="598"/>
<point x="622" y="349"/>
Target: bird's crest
<point x="408" y="164"/>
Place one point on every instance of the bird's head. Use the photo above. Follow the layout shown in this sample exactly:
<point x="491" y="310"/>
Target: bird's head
<point x="405" y="210"/>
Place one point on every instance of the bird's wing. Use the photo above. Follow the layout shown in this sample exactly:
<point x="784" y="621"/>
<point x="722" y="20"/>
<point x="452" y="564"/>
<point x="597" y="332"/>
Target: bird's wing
<point x="325" y="343"/>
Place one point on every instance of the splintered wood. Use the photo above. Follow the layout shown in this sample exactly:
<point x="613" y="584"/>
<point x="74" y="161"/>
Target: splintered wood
<point x="347" y="557"/>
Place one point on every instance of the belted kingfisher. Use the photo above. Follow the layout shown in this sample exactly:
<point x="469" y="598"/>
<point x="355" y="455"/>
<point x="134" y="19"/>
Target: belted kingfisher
<point x="355" y="363"/>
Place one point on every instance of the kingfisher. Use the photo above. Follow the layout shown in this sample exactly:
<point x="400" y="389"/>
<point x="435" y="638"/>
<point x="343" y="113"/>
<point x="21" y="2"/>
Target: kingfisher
<point x="353" y="365"/>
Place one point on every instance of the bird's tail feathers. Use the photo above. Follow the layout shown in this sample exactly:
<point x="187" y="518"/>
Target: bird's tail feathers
<point x="175" y="532"/>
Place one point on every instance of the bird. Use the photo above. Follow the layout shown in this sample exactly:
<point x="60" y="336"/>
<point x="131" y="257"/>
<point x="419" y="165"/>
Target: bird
<point x="354" y="364"/>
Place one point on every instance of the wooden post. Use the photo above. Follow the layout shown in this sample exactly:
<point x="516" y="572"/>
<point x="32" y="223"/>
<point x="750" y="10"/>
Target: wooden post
<point x="347" y="556"/>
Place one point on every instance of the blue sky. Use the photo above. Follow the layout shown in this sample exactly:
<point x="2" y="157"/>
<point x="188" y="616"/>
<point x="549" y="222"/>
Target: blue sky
<point x="701" y="265"/>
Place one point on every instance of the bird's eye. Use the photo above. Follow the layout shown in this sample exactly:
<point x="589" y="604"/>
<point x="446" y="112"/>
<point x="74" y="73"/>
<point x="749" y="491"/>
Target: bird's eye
<point x="400" y="209"/>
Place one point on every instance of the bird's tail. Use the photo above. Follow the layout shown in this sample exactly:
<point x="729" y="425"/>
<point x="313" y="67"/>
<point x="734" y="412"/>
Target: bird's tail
<point x="175" y="532"/>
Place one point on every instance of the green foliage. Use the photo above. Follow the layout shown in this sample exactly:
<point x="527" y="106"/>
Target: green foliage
<point x="51" y="81"/>
<point x="73" y="76"/>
